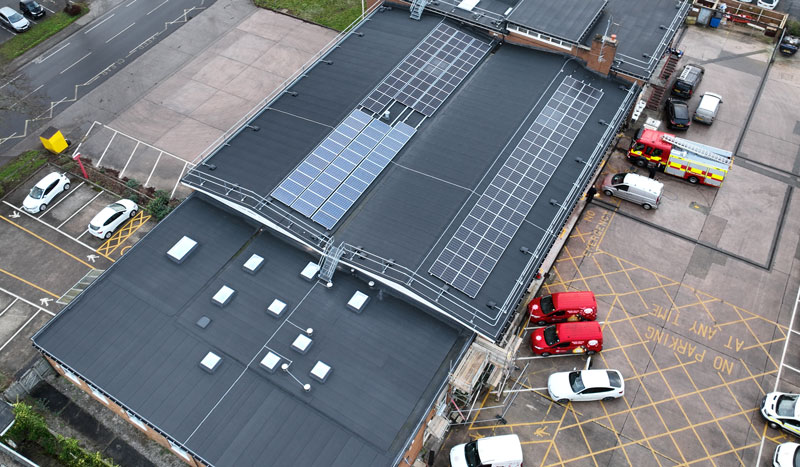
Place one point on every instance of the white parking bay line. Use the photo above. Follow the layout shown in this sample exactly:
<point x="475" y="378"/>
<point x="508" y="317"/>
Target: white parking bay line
<point x="105" y="150"/>
<point x="9" y="306"/>
<point x="117" y="34"/>
<point x="26" y="301"/>
<point x="59" y="201"/>
<point x="172" y="195"/>
<point x="98" y="24"/>
<point x="19" y="330"/>
<point x="48" y="225"/>
<point x="147" y="182"/>
<point x="79" y="210"/>
<point x="129" y="158"/>
<point x="74" y="63"/>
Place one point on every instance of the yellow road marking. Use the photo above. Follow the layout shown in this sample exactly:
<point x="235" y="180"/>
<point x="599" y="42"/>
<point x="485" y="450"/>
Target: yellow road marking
<point x="127" y="229"/>
<point x="29" y="283"/>
<point x="48" y="242"/>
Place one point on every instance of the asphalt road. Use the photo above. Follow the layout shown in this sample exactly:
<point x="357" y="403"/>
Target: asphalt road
<point x="54" y="80"/>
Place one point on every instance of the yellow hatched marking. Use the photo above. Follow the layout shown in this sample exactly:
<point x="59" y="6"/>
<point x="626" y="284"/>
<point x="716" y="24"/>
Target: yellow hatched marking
<point x="111" y="245"/>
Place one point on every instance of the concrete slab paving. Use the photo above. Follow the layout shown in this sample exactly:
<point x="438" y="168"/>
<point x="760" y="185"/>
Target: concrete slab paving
<point x="189" y="136"/>
<point x="145" y="158"/>
<point x="221" y="111"/>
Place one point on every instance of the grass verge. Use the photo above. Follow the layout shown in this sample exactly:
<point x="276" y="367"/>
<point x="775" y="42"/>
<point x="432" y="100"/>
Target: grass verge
<point x="333" y="14"/>
<point x="34" y="36"/>
<point x="20" y="168"/>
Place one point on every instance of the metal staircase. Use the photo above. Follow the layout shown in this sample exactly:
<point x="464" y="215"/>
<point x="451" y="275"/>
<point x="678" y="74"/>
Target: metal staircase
<point x="697" y="149"/>
<point x="656" y="97"/>
<point x="417" y="6"/>
<point x="329" y="262"/>
<point x="669" y="67"/>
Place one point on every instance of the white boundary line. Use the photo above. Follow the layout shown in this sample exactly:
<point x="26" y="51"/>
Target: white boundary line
<point x="26" y="301"/>
<point x="60" y="200"/>
<point x="98" y="24"/>
<point x="79" y="210"/>
<point x="780" y="367"/>
<point x="791" y="368"/>
<point x="48" y="225"/>
<point x="117" y="34"/>
<point x="157" y="7"/>
<point x="25" y="97"/>
<point x="177" y="182"/>
<point x="147" y="182"/>
<point x="129" y="158"/>
<point x="9" y="306"/>
<point x="143" y="142"/>
<point x="73" y="64"/>
<point x="106" y="149"/>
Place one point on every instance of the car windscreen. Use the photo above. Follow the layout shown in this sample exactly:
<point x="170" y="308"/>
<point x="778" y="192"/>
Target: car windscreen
<point x="682" y="86"/>
<point x="471" y="453"/>
<point x="36" y="193"/>
<point x="614" y="379"/>
<point x="785" y="406"/>
<point x="116" y="207"/>
<point x="617" y="179"/>
<point x="547" y="305"/>
<point x="15" y="18"/>
<point x="550" y="335"/>
<point x="576" y="382"/>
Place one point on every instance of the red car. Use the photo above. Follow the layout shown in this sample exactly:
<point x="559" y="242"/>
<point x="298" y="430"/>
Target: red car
<point x="563" y="306"/>
<point x="564" y="338"/>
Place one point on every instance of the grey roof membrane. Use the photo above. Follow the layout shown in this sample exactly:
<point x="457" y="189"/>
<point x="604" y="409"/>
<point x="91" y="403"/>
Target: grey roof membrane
<point x="415" y="205"/>
<point x="569" y="20"/>
<point x="133" y="334"/>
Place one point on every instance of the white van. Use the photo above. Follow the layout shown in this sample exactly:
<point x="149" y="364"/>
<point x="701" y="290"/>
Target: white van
<point x="634" y="188"/>
<point x="707" y="110"/>
<point x="494" y="451"/>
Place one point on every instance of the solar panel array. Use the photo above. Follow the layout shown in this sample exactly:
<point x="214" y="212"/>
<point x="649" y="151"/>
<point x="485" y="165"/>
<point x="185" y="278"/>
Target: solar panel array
<point x="483" y="236"/>
<point x="363" y="176"/>
<point x="431" y="72"/>
<point x="322" y="156"/>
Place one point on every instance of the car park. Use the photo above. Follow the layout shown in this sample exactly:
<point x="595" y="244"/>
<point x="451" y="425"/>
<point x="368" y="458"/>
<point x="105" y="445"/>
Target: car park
<point x="781" y="410"/>
<point x="586" y="385"/>
<point x="45" y="191"/>
<point x="707" y="108"/>
<point x="567" y="338"/>
<point x="687" y="81"/>
<point x="111" y="217"/>
<point x="11" y="19"/>
<point x="31" y="9"/>
<point x="678" y="114"/>
<point x="634" y="188"/>
<point x="492" y="451"/>
<point x="563" y="306"/>
<point x="787" y="455"/>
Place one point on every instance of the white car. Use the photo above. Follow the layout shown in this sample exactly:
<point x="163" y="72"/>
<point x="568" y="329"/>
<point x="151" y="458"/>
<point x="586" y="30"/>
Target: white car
<point x="13" y="20"/>
<point x="112" y="216"/>
<point x="768" y="4"/>
<point x="787" y="455"/>
<point x="782" y="411"/>
<point x="586" y="385"/>
<point x="45" y="191"/>
<point x="504" y="450"/>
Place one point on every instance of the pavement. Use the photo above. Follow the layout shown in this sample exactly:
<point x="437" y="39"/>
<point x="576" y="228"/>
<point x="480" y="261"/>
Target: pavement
<point x="695" y="298"/>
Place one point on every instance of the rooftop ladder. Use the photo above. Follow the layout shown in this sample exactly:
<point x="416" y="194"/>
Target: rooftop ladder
<point x="329" y="262"/>
<point x="417" y="6"/>
<point x="697" y="149"/>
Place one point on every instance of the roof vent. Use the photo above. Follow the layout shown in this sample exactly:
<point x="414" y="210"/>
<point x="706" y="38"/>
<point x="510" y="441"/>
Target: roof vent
<point x="276" y="308"/>
<point x="181" y="250"/>
<point x="309" y="272"/>
<point x="270" y="362"/>
<point x="302" y="343"/>
<point x="253" y="264"/>
<point x="358" y="302"/>
<point x="210" y="362"/>
<point x="223" y="296"/>
<point x="203" y="322"/>
<point x="321" y="371"/>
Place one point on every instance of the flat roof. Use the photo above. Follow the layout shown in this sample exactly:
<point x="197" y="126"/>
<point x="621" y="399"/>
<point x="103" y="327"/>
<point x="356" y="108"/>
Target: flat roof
<point x="410" y="212"/>
<point x="569" y="20"/>
<point x="133" y="334"/>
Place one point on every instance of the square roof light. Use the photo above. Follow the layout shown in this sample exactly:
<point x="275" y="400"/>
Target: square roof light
<point x="320" y="371"/>
<point x="181" y="250"/>
<point x="203" y="322"/>
<point x="276" y="308"/>
<point x="223" y="295"/>
<point x="309" y="272"/>
<point x="270" y="362"/>
<point x="253" y="264"/>
<point x="302" y="343"/>
<point x="358" y="301"/>
<point x="210" y="362"/>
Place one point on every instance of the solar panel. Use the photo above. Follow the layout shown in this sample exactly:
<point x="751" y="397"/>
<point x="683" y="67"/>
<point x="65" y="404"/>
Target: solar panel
<point x="321" y="157"/>
<point x="431" y="72"/>
<point x="321" y="188"/>
<point x="475" y="248"/>
<point x="362" y="177"/>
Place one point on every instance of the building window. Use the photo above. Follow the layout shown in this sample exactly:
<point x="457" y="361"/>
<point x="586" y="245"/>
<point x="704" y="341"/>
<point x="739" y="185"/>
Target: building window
<point x="99" y="395"/>
<point x="136" y="421"/>
<point x="179" y="451"/>
<point x="541" y="37"/>
<point x="72" y="376"/>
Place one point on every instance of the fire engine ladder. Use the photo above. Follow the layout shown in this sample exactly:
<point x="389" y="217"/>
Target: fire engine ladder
<point x="417" y="6"/>
<point x="691" y="147"/>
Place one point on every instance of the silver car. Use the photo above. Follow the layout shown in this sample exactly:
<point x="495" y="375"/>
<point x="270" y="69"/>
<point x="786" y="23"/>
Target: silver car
<point x="634" y="188"/>
<point x="13" y="20"/>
